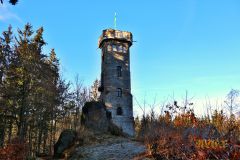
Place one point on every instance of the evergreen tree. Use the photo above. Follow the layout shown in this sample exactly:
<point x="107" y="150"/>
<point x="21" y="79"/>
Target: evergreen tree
<point x="5" y="53"/>
<point x="13" y="2"/>
<point x="36" y="104"/>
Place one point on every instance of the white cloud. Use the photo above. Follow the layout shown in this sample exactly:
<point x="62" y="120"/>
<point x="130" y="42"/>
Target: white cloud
<point x="6" y="14"/>
<point x="1" y="18"/>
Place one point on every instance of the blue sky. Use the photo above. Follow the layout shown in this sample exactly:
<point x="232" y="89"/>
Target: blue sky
<point x="181" y="45"/>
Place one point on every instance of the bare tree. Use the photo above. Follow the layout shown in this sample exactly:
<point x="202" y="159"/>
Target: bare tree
<point x="78" y="92"/>
<point x="140" y="106"/>
<point x="187" y="102"/>
<point x="94" y="93"/>
<point x="78" y="100"/>
<point x="231" y="101"/>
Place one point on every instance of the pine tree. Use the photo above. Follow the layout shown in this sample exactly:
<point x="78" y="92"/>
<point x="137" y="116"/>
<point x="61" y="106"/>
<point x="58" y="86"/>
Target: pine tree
<point x="35" y="102"/>
<point x="5" y="54"/>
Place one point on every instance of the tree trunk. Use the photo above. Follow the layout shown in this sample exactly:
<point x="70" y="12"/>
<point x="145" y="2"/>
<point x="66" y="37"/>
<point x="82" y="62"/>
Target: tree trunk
<point x="39" y="138"/>
<point x="2" y="130"/>
<point x="45" y="136"/>
<point x="22" y="119"/>
<point x="21" y="126"/>
<point x="51" y="137"/>
<point x="30" y="140"/>
<point x="10" y="130"/>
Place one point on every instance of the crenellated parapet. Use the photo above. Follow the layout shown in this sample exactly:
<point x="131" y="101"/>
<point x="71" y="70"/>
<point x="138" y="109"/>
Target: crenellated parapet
<point x="111" y="34"/>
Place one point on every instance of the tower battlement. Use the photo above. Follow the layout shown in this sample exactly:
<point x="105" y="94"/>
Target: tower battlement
<point x="111" y="34"/>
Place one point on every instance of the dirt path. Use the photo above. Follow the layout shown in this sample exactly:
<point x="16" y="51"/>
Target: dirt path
<point x="117" y="148"/>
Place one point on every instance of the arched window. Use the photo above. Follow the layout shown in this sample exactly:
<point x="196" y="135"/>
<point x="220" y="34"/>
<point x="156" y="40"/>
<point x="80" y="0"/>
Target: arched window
<point x="119" y="92"/>
<point x="109" y="48"/>
<point x="120" y="48"/>
<point x="119" y="35"/>
<point x="119" y="71"/>
<point x="124" y="49"/>
<point x="119" y="111"/>
<point x="114" y="47"/>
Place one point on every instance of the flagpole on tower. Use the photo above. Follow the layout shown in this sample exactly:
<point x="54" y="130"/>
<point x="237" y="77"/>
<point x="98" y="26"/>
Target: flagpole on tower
<point x="115" y="21"/>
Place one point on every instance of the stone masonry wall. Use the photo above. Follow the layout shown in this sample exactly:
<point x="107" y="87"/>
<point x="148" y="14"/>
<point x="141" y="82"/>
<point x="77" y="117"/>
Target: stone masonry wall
<point x="111" y="58"/>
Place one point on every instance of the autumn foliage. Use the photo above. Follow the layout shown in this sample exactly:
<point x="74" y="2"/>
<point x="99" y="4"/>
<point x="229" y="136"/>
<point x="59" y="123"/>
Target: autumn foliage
<point x="16" y="150"/>
<point x="165" y="136"/>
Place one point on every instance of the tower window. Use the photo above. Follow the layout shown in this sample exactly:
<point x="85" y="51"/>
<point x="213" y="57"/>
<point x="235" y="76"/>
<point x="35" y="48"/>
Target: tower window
<point x="119" y="92"/>
<point x="124" y="49"/>
<point x="114" y="47"/>
<point x="120" y="48"/>
<point x="109" y="48"/>
<point x="119" y="71"/>
<point x="119" y="111"/>
<point x="119" y="34"/>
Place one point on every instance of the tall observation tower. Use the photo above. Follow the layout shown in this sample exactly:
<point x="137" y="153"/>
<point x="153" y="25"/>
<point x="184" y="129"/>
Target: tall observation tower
<point x="115" y="77"/>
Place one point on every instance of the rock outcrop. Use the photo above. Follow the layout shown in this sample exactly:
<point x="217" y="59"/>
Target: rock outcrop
<point x="97" y="118"/>
<point x="65" y="141"/>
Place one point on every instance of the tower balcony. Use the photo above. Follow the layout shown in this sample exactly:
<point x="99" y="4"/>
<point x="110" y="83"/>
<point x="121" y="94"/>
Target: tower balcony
<point x="111" y="34"/>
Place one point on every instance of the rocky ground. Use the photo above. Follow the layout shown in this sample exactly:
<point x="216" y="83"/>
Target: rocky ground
<point x="96" y="144"/>
<point x="110" y="148"/>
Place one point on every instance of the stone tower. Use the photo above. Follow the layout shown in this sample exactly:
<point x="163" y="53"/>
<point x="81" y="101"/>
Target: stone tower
<point x="115" y="77"/>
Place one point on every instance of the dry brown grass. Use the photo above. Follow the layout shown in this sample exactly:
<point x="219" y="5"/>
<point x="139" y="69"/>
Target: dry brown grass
<point x="165" y="140"/>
